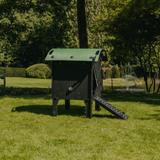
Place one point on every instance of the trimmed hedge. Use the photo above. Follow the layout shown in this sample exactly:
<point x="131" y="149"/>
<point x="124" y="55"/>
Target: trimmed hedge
<point x="116" y="73"/>
<point x="121" y="70"/>
<point x="40" y="70"/>
<point x="14" y="72"/>
<point x="103" y="73"/>
<point x="108" y="73"/>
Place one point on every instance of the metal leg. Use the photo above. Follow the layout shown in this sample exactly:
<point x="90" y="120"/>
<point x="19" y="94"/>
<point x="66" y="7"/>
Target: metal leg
<point x="55" y="107"/>
<point x="88" y="108"/>
<point x="97" y="106"/>
<point x="67" y="104"/>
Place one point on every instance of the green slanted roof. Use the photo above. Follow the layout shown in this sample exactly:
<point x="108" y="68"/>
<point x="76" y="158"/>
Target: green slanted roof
<point x="81" y="54"/>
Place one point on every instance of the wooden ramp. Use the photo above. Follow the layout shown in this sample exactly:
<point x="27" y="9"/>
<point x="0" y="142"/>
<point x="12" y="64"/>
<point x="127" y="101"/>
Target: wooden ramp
<point x="110" y="108"/>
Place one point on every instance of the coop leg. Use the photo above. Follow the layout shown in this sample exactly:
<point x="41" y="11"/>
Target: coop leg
<point x="67" y="104"/>
<point x="55" y="107"/>
<point x="88" y="108"/>
<point x="97" y="107"/>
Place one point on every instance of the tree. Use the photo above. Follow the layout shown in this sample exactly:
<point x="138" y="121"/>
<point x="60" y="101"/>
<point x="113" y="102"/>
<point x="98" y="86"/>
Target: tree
<point x="33" y="27"/>
<point x="92" y="9"/>
<point x="133" y="29"/>
<point x="5" y="53"/>
<point x="83" y="41"/>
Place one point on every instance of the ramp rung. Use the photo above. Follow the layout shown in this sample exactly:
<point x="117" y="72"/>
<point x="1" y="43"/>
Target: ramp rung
<point x="110" y="108"/>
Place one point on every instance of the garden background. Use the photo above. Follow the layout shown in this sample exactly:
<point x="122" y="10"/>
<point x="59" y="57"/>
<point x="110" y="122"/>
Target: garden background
<point x="129" y="32"/>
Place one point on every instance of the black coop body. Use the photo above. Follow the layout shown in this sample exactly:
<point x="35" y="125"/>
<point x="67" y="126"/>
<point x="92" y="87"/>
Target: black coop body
<point x="77" y="75"/>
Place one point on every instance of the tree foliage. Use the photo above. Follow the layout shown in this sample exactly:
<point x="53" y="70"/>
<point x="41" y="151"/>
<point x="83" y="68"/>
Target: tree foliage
<point x="132" y="30"/>
<point x="92" y="9"/>
<point x="33" y="27"/>
<point x="127" y="29"/>
<point x="5" y="53"/>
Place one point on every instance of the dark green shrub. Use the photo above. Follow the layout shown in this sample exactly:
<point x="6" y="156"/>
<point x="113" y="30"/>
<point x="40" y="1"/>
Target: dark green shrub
<point x="38" y="71"/>
<point x="121" y="70"/>
<point x="48" y="74"/>
<point x="108" y="73"/>
<point x="14" y="72"/>
<point x="104" y="74"/>
<point x="116" y="73"/>
<point x="121" y="73"/>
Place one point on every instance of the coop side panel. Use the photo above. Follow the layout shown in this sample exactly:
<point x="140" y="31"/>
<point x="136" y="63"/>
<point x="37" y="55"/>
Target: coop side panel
<point x="98" y="77"/>
<point x="70" y="80"/>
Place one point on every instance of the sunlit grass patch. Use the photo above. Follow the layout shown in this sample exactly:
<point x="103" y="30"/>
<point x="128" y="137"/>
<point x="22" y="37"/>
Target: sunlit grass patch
<point x="28" y="131"/>
<point x="28" y="82"/>
<point x="118" y="82"/>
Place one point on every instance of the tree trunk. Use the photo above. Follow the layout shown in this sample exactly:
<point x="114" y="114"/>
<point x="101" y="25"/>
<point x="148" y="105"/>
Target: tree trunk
<point x="83" y="41"/>
<point x="146" y="82"/>
<point x="158" y="88"/>
<point x="144" y="70"/>
<point x="158" y="78"/>
<point x="154" y="85"/>
<point x="150" y="86"/>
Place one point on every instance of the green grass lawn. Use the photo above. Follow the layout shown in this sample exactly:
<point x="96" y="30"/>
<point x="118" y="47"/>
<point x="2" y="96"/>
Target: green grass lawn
<point x="46" y="83"/>
<point x="29" y="132"/>
<point x="27" y="82"/>
<point x="118" y="82"/>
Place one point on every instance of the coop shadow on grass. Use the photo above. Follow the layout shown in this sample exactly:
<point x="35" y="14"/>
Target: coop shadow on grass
<point x="47" y="110"/>
<point x="152" y="99"/>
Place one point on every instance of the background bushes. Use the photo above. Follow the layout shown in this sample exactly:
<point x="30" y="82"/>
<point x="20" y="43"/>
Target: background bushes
<point x="122" y="68"/>
<point x="108" y="73"/>
<point x="103" y="74"/>
<point x="40" y="70"/>
<point x="116" y="72"/>
<point x="13" y="72"/>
